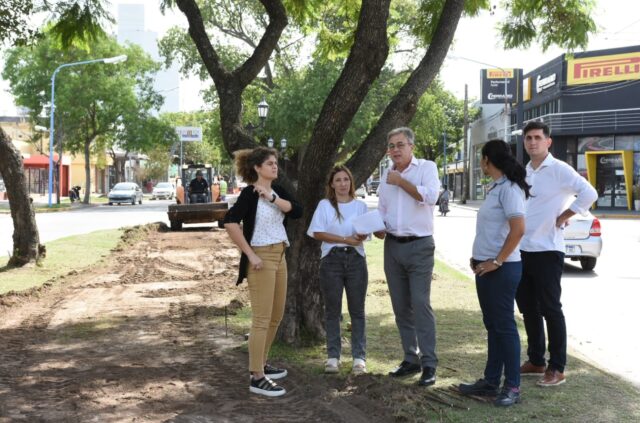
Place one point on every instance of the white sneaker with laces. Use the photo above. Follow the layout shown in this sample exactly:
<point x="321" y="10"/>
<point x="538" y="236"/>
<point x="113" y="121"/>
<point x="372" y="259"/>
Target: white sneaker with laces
<point x="359" y="366"/>
<point x="332" y="365"/>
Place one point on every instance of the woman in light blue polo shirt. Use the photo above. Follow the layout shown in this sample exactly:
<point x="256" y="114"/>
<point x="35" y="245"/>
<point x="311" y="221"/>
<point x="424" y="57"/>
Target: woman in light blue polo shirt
<point x="496" y="264"/>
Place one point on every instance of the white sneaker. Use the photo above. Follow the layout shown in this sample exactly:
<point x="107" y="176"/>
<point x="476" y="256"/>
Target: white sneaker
<point x="332" y="365"/>
<point x="359" y="366"/>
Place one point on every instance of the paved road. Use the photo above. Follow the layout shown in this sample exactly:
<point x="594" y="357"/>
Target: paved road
<point x="85" y="219"/>
<point x="600" y="306"/>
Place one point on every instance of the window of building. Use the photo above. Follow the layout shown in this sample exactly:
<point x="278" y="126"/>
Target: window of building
<point x="595" y="143"/>
<point x="627" y="142"/>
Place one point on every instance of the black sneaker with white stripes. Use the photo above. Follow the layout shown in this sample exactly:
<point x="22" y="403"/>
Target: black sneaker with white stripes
<point x="274" y="372"/>
<point x="267" y="387"/>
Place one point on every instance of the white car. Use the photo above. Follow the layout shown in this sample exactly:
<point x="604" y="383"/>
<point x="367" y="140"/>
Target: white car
<point x="583" y="240"/>
<point x="164" y="190"/>
<point x="125" y="192"/>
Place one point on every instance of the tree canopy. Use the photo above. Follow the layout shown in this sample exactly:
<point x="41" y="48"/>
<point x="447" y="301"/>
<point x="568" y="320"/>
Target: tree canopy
<point x="98" y="100"/>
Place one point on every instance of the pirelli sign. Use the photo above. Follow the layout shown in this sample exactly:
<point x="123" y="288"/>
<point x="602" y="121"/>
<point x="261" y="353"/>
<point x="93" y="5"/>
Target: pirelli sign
<point x="612" y="68"/>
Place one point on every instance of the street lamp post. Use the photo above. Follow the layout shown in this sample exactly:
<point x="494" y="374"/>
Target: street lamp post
<point x="108" y="60"/>
<point x="444" y="156"/>
<point x="263" y="111"/>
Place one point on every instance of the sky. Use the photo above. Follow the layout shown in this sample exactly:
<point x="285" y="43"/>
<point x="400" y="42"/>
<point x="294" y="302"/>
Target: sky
<point x="476" y="39"/>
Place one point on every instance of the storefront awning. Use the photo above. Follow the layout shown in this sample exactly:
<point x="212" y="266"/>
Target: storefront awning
<point x="39" y="161"/>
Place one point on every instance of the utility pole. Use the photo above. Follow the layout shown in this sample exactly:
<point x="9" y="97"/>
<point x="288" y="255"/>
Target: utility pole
<point x="444" y="157"/>
<point x="465" y="170"/>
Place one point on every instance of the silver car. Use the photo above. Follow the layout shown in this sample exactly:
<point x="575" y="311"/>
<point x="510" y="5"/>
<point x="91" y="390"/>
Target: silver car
<point x="125" y="192"/>
<point x="163" y="190"/>
<point x="583" y="240"/>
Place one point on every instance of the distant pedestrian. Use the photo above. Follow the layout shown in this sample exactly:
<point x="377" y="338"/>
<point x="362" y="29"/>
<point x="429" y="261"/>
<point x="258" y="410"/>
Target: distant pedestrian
<point x="343" y="266"/>
<point x="496" y="263"/>
<point x="407" y="196"/>
<point x="443" y="201"/>
<point x="263" y="209"/>
<point x="554" y="185"/>
<point x="223" y="188"/>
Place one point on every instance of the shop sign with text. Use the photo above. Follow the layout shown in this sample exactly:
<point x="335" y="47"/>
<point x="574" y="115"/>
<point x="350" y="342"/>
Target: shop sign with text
<point x="493" y="85"/>
<point x="611" y="68"/>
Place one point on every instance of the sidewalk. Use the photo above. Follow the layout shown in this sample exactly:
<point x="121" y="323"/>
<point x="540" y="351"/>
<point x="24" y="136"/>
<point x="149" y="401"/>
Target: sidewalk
<point x="600" y="214"/>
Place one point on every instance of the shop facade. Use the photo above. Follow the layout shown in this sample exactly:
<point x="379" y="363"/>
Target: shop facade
<point x="590" y="101"/>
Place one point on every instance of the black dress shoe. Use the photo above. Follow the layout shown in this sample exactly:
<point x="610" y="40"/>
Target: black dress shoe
<point x="405" y="369"/>
<point x="428" y="377"/>
<point x="507" y="397"/>
<point x="481" y="388"/>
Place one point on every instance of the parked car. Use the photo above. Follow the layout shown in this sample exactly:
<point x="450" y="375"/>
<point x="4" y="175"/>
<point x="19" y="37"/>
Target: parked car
<point x="125" y="192"/>
<point x="372" y="188"/>
<point x="164" y="190"/>
<point x="361" y="192"/>
<point x="583" y="240"/>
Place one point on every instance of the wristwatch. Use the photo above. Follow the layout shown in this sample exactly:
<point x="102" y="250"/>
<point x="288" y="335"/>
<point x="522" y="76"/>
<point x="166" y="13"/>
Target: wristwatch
<point x="273" y="197"/>
<point x="496" y="262"/>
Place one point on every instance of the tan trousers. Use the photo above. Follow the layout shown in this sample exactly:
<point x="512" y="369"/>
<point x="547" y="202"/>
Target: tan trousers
<point x="267" y="292"/>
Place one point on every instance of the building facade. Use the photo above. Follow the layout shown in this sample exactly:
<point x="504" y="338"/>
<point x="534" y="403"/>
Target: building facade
<point x="590" y="102"/>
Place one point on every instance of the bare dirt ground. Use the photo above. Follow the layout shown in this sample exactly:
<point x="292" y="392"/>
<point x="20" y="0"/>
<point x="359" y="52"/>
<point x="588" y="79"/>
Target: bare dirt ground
<point x="134" y="340"/>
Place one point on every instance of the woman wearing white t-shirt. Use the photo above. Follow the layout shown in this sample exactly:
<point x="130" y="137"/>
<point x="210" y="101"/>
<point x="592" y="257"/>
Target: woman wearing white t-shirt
<point x="343" y="266"/>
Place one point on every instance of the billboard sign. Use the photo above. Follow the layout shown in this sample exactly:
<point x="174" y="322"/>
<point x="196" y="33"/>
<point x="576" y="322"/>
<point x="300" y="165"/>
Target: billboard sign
<point x="611" y="68"/>
<point x="493" y="85"/>
<point x="189" y="133"/>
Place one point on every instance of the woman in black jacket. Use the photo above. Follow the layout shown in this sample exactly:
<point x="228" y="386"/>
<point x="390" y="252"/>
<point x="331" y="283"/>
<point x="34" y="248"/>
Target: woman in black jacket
<point x="263" y="209"/>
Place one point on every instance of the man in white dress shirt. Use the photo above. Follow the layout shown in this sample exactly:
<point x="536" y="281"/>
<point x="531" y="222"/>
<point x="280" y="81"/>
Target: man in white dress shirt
<point x="554" y="184"/>
<point x="407" y="195"/>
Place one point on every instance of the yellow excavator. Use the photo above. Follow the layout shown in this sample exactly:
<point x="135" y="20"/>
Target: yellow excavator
<point x="200" y="207"/>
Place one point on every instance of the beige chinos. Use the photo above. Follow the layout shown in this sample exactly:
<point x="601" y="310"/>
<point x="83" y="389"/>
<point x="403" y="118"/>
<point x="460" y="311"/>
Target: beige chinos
<point x="267" y="292"/>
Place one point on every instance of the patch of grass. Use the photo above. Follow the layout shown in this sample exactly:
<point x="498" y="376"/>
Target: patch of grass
<point x="589" y="394"/>
<point x="86" y="330"/>
<point x="63" y="256"/>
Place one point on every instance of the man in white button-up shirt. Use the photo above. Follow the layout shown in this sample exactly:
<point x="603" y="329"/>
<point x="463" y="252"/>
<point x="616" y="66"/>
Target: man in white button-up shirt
<point x="408" y="193"/>
<point x="554" y="184"/>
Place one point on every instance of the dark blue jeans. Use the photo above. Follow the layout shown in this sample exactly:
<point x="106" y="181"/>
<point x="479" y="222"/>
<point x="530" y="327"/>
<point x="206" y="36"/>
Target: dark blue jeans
<point x="496" y="293"/>
<point x="343" y="269"/>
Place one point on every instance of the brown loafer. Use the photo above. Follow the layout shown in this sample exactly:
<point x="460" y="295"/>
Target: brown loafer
<point x="551" y="378"/>
<point x="530" y="369"/>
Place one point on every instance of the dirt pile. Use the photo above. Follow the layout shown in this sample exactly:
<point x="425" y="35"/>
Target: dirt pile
<point x="134" y="340"/>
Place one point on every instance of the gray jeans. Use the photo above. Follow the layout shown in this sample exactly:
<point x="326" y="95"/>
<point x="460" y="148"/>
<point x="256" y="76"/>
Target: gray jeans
<point x="344" y="269"/>
<point x="408" y="267"/>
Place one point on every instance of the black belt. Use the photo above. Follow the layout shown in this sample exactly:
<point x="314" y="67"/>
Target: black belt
<point x="403" y="239"/>
<point x="346" y="250"/>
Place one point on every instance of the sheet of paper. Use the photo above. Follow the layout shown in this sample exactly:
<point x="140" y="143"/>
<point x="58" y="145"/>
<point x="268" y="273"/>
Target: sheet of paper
<point x="368" y="223"/>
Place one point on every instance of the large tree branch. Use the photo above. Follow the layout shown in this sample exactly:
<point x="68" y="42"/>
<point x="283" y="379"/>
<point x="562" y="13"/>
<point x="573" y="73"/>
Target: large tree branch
<point x="250" y="69"/>
<point x="366" y="59"/>
<point x="230" y="86"/>
<point x="403" y="106"/>
<point x="198" y="34"/>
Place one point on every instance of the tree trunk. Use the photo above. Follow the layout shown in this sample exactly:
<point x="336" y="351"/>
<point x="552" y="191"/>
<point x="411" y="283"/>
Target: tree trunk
<point x="305" y="311"/>
<point x="26" y="240"/>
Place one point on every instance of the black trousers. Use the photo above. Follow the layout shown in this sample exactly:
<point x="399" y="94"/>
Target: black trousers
<point x="538" y="299"/>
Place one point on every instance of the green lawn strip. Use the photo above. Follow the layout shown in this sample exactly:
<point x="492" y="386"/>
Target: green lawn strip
<point x="588" y="395"/>
<point x="64" y="205"/>
<point x="63" y="256"/>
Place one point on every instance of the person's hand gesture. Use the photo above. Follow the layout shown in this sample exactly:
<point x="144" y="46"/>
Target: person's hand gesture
<point x="393" y="177"/>
<point x="262" y="192"/>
